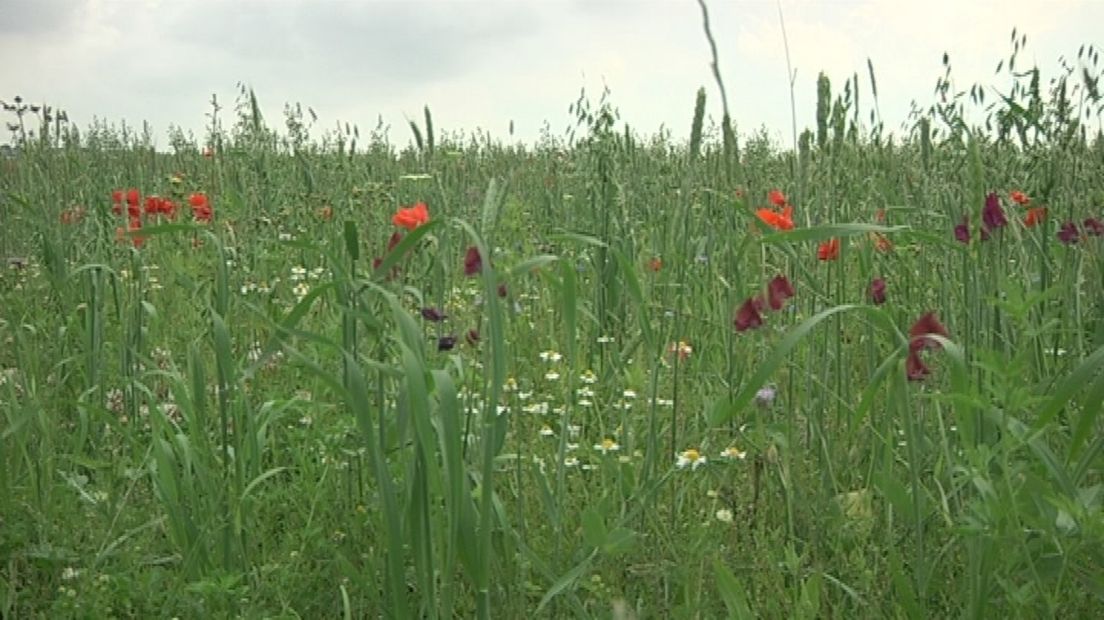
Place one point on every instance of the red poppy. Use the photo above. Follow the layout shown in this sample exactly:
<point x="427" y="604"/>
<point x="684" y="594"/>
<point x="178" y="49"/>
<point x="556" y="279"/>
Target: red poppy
<point x="747" y="316"/>
<point x="201" y="207"/>
<point x="915" y="368"/>
<point x="433" y="314"/>
<point x="925" y="326"/>
<point x="117" y="196"/>
<point x="1035" y="215"/>
<point x="473" y="262"/>
<point x="778" y="291"/>
<point x="1019" y="198"/>
<point x="776" y="220"/>
<point x="777" y="198"/>
<point x="829" y="250"/>
<point x="411" y="217"/>
<point x="655" y="264"/>
<point x="133" y="197"/>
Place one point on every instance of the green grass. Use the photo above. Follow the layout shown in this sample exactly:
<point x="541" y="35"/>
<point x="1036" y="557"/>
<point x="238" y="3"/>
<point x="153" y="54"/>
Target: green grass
<point x="251" y="418"/>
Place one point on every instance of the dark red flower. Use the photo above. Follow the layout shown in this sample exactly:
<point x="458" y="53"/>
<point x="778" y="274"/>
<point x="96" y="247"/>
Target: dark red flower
<point x="433" y="314"/>
<point x="962" y="231"/>
<point x="446" y="343"/>
<point x="1094" y="227"/>
<point x="778" y="291"/>
<point x="925" y="326"/>
<point x="747" y="316"/>
<point x="117" y="196"/>
<point x="396" y="237"/>
<point x="472" y="337"/>
<point x="992" y="216"/>
<point x="1068" y="234"/>
<point x="915" y="367"/>
<point x="502" y="292"/>
<point x="473" y="262"/>
<point x="877" y="291"/>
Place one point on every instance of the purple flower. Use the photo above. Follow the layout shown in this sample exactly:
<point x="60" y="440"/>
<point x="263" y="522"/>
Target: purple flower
<point x="878" y="291"/>
<point x="433" y="314"/>
<point x="992" y="216"/>
<point x="446" y="343"/>
<point x="962" y="231"/>
<point x="1094" y="227"/>
<point x="1068" y="234"/>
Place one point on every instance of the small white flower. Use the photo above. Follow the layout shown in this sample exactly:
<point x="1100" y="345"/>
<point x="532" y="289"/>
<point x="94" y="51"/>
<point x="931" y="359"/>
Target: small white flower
<point x="583" y="402"/>
<point x="550" y="356"/>
<point x="724" y="515"/>
<point x="608" y="445"/>
<point x="629" y="394"/>
<point x="733" y="453"/>
<point x="546" y="431"/>
<point x="588" y="377"/>
<point x="584" y="392"/>
<point x="552" y="375"/>
<point x="301" y="289"/>
<point x="605" y="339"/>
<point x="690" y="457"/>
<point x="298" y="273"/>
<point x="571" y="462"/>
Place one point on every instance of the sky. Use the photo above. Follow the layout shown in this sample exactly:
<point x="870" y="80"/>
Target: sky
<point x="482" y="64"/>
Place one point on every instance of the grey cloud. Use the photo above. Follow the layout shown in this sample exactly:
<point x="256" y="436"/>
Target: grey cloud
<point x="37" y="17"/>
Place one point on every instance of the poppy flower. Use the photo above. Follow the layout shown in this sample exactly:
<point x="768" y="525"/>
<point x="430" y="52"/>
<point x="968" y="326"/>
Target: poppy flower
<point x="1068" y="234"/>
<point x="962" y="231"/>
<point x="411" y="217"/>
<point x="778" y="291"/>
<point x="992" y="216"/>
<point x="446" y="343"/>
<point x="472" y="337"/>
<point x="433" y="314"/>
<point x="915" y="368"/>
<point x="829" y="250"/>
<point x="117" y="196"/>
<point x="121" y="234"/>
<point x="925" y="326"/>
<point x="777" y="198"/>
<point x="1035" y="215"/>
<point x="201" y="207"/>
<point x="473" y="262"/>
<point x="1019" y="198"/>
<point x="133" y="197"/>
<point x="776" y="220"/>
<point x="655" y="264"/>
<point x="1094" y="227"/>
<point x="747" y="316"/>
<point x="877" y="291"/>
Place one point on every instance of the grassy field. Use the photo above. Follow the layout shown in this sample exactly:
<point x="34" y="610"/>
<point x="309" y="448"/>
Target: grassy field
<point x="281" y="375"/>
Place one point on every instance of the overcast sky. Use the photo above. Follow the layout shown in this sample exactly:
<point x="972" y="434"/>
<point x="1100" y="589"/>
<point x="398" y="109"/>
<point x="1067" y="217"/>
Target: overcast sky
<point x="482" y="64"/>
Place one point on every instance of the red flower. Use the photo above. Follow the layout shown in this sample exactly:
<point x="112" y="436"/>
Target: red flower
<point x="915" y="368"/>
<point x="1094" y="227"/>
<point x="411" y="217"/>
<point x="433" y="314"/>
<point x="1019" y="198"/>
<point x="925" y="326"/>
<point x="201" y="207"/>
<point x="117" y="196"/>
<point x="655" y="264"/>
<point x="472" y="337"/>
<point x="778" y="291"/>
<point x="1035" y="215"/>
<point x="133" y="197"/>
<point x="135" y="225"/>
<point x="776" y="220"/>
<point x="1068" y="234"/>
<point x="881" y="243"/>
<point x="877" y="291"/>
<point x="396" y="237"/>
<point x="747" y="316"/>
<point x="473" y="262"/>
<point x="962" y="231"/>
<point x="777" y="198"/>
<point x="829" y="250"/>
<point x="992" y="215"/>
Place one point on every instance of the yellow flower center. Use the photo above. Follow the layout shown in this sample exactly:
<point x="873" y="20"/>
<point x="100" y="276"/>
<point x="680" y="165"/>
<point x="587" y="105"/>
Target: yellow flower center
<point x="691" y="455"/>
<point x="608" y="444"/>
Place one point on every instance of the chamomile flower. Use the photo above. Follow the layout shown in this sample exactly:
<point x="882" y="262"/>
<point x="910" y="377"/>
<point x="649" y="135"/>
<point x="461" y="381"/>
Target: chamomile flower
<point x="690" y="457"/>
<point x="301" y="289"/>
<point x="588" y="377"/>
<point x="552" y="375"/>
<point x="298" y="273"/>
<point x="546" y="431"/>
<point x="550" y="356"/>
<point x="608" y="445"/>
<point x="724" y="515"/>
<point x="732" y="453"/>
<point x="629" y="394"/>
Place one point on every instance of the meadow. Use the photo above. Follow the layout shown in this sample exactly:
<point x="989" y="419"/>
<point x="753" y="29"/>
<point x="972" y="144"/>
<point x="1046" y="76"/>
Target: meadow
<point x="281" y="373"/>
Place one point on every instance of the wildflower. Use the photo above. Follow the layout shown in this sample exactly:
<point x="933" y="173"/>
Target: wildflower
<point x="747" y="316"/>
<point x="433" y="314"/>
<point x="778" y="291"/>
<point x="588" y="377"/>
<point x="629" y="394"/>
<point x="881" y="243"/>
<point x="133" y="196"/>
<point x="325" y="213"/>
<point x="550" y="356"/>
<point x="776" y="220"/>
<point x="298" y="273"/>
<point x="919" y="340"/>
<point x="992" y="216"/>
<point x="473" y="262"/>
<point x="733" y="453"/>
<point x="605" y="339"/>
<point x="396" y="237"/>
<point x="571" y="462"/>
<point x="608" y="445"/>
<point x="724" y="515"/>
<point x="1035" y="215"/>
<point x="546" y="431"/>
<point x="134" y="225"/>
<point x="655" y="264"/>
<point x="1068" y="234"/>
<point x="552" y="375"/>
<point x="1094" y="227"/>
<point x="682" y="348"/>
<point x="962" y="231"/>
<point x="1019" y="197"/>
<point x="72" y="215"/>
<point x="446" y="343"/>
<point x="829" y="250"/>
<point x="201" y="207"/>
<point x="777" y="198"/>
<point x="472" y="337"/>
<point x="411" y="217"/>
<point x="301" y="290"/>
<point x="877" y="291"/>
<point x="690" y="457"/>
<point x="764" y="397"/>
